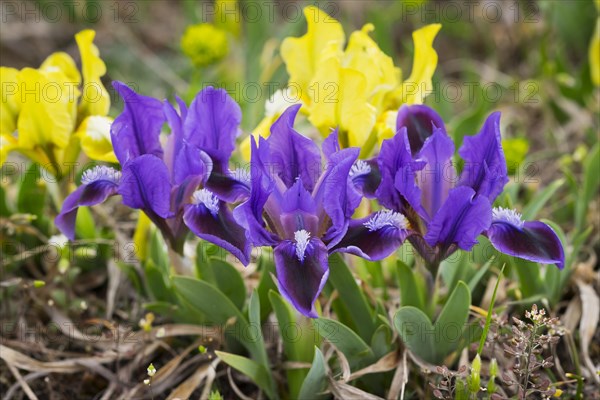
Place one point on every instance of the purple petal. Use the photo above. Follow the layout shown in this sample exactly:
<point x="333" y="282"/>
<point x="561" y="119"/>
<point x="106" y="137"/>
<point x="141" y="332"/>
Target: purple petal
<point x="98" y="184"/>
<point x="398" y="175"/>
<point x="175" y="139"/>
<point x="212" y="123"/>
<point x="376" y="236"/>
<point x="228" y="186"/>
<point x="485" y="167"/>
<point x="298" y="211"/>
<point x="191" y="161"/>
<point x="293" y="155"/>
<point x="420" y="122"/>
<point x="250" y="213"/>
<point x="533" y="241"/>
<point x="331" y="144"/>
<point x="300" y="282"/>
<point x="136" y="130"/>
<point x="219" y="228"/>
<point x="460" y="220"/>
<point x="438" y="176"/>
<point x="145" y="185"/>
<point x="366" y="177"/>
<point x="336" y="195"/>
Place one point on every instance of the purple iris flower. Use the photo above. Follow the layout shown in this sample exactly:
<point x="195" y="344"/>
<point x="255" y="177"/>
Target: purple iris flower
<point x="304" y="211"/>
<point x="182" y="186"/>
<point x="447" y="211"/>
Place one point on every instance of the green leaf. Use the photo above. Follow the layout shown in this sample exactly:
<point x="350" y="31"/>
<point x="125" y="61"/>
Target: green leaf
<point x="351" y="296"/>
<point x="316" y="380"/>
<point x="540" y="199"/>
<point x="254" y="319"/>
<point x="32" y="195"/>
<point x="156" y="283"/>
<point x="265" y="284"/>
<point x="346" y="340"/>
<point x="589" y="189"/>
<point x="433" y="342"/>
<point x="474" y="281"/>
<point x="411" y="294"/>
<point x="452" y="320"/>
<point x="224" y="276"/>
<point x="298" y="343"/>
<point x="488" y="318"/>
<point x="417" y="332"/>
<point x="208" y="299"/>
<point x="255" y="371"/>
<point x="381" y="342"/>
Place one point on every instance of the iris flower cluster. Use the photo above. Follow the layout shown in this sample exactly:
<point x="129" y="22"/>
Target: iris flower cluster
<point x="300" y="199"/>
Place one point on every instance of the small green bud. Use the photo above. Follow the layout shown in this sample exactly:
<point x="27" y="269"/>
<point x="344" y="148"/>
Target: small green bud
<point x="151" y="370"/>
<point x="38" y="284"/>
<point x="202" y="349"/>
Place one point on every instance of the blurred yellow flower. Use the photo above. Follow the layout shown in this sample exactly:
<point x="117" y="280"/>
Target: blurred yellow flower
<point x="204" y="44"/>
<point x="94" y="133"/>
<point x="42" y="107"/>
<point x="354" y="87"/>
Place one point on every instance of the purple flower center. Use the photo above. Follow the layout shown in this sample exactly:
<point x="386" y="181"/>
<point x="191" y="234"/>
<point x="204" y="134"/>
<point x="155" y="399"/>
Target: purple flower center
<point x="302" y="237"/>
<point x="387" y="218"/>
<point x="359" y="168"/>
<point x="100" y="173"/>
<point x="501" y="214"/>
<point x="206" y="198"/>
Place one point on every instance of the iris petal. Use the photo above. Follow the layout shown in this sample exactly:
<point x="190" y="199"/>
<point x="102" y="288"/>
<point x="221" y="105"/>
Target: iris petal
<point x="534" y="241"/>
<point x="293" y="155"/>
<point x="136" y="130"/>
<point x="460" y="220"/>
<point x="220" y="229"/>
<point x="420" y="122"/>
<point x="93" y="191"/>
<point x="300" y="282"/>
<point x="145" y="185"/>
<point x="485" y="166"/>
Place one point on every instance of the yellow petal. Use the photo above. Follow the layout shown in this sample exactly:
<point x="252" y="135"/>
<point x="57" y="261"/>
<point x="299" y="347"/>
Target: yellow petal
<point x="45" y="116"/>
<point x="141" y="236"/>
<point x="9" y="107"/>
<point x="96" y="143"/>
<point x="342" y="102"/>
<point x="7" y="144"/>
<point x="303" y="55"/>
<point x="418" y="84"/>
<point x="95" y="99"/>
<point x="63" y="66"/>
<point x="365" y="56"/>
<point x="594" y="54"/>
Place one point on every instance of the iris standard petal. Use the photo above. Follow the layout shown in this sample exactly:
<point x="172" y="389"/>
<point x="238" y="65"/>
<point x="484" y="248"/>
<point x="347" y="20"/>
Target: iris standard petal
<point x="530" y="240"/>
<point x="302" y="271"/>
<point x="485" y="166"/>
<point x="420" y="122"/>
<point x="136" y="130"/>
<point x="213" y="123"/>
<point x="250" y="213"/>
<point x="211" y="220"/>
<point x="336" y="195"/>
<point x="97" y="184"/>
<point x="438" y="176"/>
<point x="293" y="155"/>
<point x="145" y="185"/>
<point x="191" y="161"/>
<point x="459" y="221"/>
<point x="376" y="236"/>
<point x="230" y="186"/>
<point x="398" y="174"/>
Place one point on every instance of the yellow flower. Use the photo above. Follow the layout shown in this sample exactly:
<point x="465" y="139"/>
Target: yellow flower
<point x="353" y="87"/>
<point x="94" y="133"/>
<point x="303" y="55"/>
<point x="95" y="99"/>
<point x="204" y="44"/>
<point x="41" y="108"/>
